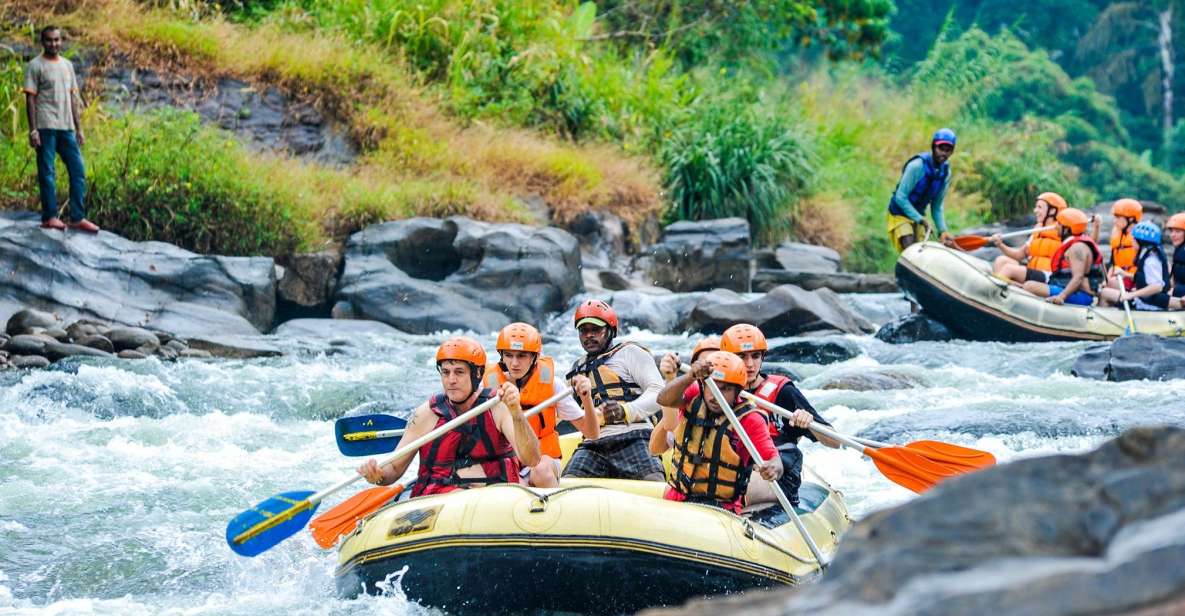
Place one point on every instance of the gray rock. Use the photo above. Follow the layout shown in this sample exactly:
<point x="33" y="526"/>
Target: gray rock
<point x="132" y="338"/>
<point x="27" y="344"/>
<point x="194" y="354"/>
<point x="613" y="281"/>
<point x="1064" y="535"/>
<point x="175" y="345"/>
<point x="234" y="347"/>
<point x="165" y="337"/>
<point x="96" y="342"/>
<point x="57" y="333"/>
<point x="24" y="320"/>
<point x="85" y="327"/>
<point x="309" y="279"/>
<point x="28" y="361"/>
<point x="324" y="329"/>
<point x="823" y="351"/>
<point x="131" y="354"/>
<point x="60" y="350"/>
<point x="913" y="328"/>
<point x="1133" y="358"/>
<point x="702" y="255"/>
<point x="664" y="313"/>
<point x="840" y="282"/>
<point x="141" y="284"/>
<point x="166" y="354"/>
<point x="785" y="311"/>
<point x="423" y="275"/>
<point x="797" y="257"/>
<point x="882" y="379"/>
<point x="602" y="238"/>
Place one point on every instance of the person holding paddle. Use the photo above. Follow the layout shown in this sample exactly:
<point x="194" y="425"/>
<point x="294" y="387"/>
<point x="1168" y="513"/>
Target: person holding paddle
<point x="710" y="464"/>
<point x="521" y="361"/>
<point x="485" y="450"/>
<point x="1077" y="264"/>
<point x="923" y="183"/>
<point x="1031" y="261"/>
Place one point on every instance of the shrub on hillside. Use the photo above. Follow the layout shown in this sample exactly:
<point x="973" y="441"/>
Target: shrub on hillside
<point x="1021" y="167"/>
<point x="723" y="159"/>
<point x="1115" y="172"/>
<point x="163" y="176"/>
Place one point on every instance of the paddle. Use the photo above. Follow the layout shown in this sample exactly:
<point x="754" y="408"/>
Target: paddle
<point x="1131" y="325"/>
<point x="331" y="525"/>
<point x="918" y="469"/>
<point x="752" y="449"/>
<point x="257" y="529"/>
<point x="975" y="242"/>
<point x="364" y="435"/>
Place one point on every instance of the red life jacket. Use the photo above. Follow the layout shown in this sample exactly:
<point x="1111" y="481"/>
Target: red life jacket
<point x="768" y="391"/>
<point x="1062" y="272"/>
<point x="477" y="441"/>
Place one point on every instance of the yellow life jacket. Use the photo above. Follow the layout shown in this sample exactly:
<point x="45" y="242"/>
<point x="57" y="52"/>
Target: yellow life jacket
<point x="540" y="386"/>
<point x="606" y="384"/>
<point x="1123" y="252"/>
<point x="1042" y="245"/>
<point x="710" y="460"/>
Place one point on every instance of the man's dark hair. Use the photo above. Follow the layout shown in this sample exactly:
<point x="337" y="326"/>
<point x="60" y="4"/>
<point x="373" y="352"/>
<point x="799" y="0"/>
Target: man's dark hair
<point x="46" y="30"/>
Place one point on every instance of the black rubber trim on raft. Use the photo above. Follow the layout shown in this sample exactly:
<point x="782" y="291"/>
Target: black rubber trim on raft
<point x="585" y="579"/>
<point x="972" y="320"/>
<point x="567" y="542"/>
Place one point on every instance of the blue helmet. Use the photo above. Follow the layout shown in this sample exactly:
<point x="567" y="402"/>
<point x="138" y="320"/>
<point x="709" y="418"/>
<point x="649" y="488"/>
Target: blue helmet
<point x="944" y="135"/>
<point x="1147" y="232"/>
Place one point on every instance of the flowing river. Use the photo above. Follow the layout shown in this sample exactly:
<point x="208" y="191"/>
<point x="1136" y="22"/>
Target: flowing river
<point x="117" y="478"/>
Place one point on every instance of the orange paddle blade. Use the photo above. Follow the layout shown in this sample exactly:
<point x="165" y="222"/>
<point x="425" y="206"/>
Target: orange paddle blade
<point x="971" y="242"/>
<point x="909" y="468"/>
<point x="330" y="526"/>
<point x="954" y="456"/>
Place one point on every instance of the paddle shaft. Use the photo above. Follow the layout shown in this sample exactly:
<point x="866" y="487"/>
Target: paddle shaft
<point x="1127" y="308"/>
<point x="815" y="426"/>
<point x="752" y="449"/>
<point x="1025" y="232"/>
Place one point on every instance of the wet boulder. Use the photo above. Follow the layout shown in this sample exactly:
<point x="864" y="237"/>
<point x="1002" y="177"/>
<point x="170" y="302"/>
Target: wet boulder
<point x="1134" y="358"/>
<point x="424" y="275"/>
<point x="232" y="347"/>
<point x="27" y="344"/>
<point x="661" y="313"/>
<point x="1066" y="535"/>
<point x="25" y="320"/>
<point x="140" y="284"/>
<point x="306" y="282"/>
<point x="785" y="311"/>
<point x="881" y="379"/>
<point x="28" y="361"/>
<point x="132" y="338"/>
<point x="913" y="328"/>
<point x="814" y="351"/>
<point x="325" y="329"/>
<point x="702" y="255"/>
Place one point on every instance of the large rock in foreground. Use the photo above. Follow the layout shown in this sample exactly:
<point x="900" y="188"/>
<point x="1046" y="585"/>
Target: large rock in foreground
<point x="702" y="255"/>
<point x="424" y="274"/>
<point x="1066" y="535"/>
<point x="1134" y="358"/>
<point x="784" y="311"/>
<point x="140" y="284"/>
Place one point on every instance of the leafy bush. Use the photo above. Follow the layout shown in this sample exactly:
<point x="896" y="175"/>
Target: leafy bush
<point x="1114" y="172"/>
<point x="726" y="160"/>
<point x="1020" y="168"/>
<point x="163" y="176"/>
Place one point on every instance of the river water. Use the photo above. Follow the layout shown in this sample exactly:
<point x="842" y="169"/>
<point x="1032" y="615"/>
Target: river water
<point x="117" y="478"/>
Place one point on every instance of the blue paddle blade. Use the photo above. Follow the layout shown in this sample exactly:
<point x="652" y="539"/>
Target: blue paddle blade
<point x="257" y="529"/>
<point x="355" y="435"/>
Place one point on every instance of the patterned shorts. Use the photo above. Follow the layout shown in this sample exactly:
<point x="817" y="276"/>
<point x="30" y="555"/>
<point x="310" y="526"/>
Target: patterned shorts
<point x="621" y="456"/>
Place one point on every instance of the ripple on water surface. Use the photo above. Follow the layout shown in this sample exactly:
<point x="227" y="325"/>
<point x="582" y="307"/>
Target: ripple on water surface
<point x="117" y="478"/>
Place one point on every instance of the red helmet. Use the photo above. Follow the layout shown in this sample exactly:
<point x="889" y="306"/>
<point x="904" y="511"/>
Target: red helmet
<point x="741" y="338"/>
<point x="596" y="312"/>
<point x="711" y="343"/>
<point x="520" y="337"/>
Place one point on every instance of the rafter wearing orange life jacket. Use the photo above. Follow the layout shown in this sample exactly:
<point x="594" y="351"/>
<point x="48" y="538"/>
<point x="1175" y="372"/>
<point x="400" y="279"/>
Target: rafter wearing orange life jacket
<point x="1042" y="244"/>
<point x="538" y="386"/>
<point x="1123" y="246"/>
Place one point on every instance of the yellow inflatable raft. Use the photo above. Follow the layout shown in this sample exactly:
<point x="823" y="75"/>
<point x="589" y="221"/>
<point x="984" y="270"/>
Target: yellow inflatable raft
<point x="960" y="291"/>
<point x="590" y="546"/>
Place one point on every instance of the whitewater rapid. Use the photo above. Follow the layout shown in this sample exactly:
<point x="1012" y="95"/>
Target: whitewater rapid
<point x="117" y="478"/>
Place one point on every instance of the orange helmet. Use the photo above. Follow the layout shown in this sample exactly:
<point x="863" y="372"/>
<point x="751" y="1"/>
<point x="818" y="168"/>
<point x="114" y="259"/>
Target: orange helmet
<point x="728" y="368"/>
<point x="1176" y="221"/>
<point x="461" y="348"/>
<point x="711" y="343"/>
<point x="520" y="337"/>
<point x="1073" y="218"/>
<point x="1054" y="200"/>
<point x="596" y="312"/>
<point x="743" y="337"/>
<point x="1129" y="208"/>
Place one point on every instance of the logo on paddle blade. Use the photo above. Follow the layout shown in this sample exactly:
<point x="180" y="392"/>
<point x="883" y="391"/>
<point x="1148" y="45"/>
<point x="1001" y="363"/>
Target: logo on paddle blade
<point x="416" y="521"/>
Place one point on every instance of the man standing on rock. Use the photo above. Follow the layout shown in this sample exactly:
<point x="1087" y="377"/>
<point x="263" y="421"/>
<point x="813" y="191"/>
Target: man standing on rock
<point x="624" y="384"/>
<point x="54" y="107"/>
<point x="923" y="184"/>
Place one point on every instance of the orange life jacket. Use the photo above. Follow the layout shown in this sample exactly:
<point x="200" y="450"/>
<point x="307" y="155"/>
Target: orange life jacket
<point x="540" y="386"/>
<point x="1123" y="252"/>
<point x="1042" y="245"/>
